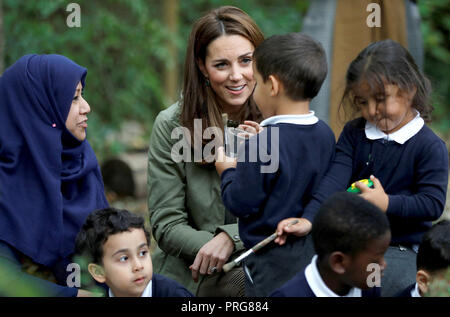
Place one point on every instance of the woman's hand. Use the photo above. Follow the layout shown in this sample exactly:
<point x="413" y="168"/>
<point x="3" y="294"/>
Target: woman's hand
<point x="301" y="228"/>
<point x="250" y="127"/>
<point x="223" y="162"/>
<point x="213" y="254"/>
<point x="375" y="195"/>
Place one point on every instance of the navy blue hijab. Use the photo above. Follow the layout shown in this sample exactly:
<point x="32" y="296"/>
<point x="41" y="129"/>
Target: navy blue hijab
<point x="49" y="181"/>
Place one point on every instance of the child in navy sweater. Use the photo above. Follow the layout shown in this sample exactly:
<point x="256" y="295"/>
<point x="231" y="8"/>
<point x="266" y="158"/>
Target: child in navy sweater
<point x="350" y="236"/>
<point x="389" y="141"/>
<point x="433" y="259"/>
<point x="289" y="71"/>
<point x="115" y="245"/>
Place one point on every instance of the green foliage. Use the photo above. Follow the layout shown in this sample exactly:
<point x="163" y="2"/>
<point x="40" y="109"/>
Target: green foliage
<point x="124" y="45"/>
<point x="435" y="28"/>
<point x="273" y="17"/>
<point x="440" y="285"/>
<point x="11" y="285"/>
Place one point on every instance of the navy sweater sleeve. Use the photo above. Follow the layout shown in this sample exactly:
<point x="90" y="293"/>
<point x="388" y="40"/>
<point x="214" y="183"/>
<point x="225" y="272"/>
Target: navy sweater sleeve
<point x="431" y="173"/>
<point x="337" y="176"/>
<point x="238" y="197"/>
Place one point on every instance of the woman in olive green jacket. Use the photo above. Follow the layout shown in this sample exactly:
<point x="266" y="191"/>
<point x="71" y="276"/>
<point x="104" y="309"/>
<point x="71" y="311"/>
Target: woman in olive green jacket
<point x="195" y="234"/>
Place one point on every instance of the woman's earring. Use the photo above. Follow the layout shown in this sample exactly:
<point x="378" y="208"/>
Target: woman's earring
<point x="207" y="81"/>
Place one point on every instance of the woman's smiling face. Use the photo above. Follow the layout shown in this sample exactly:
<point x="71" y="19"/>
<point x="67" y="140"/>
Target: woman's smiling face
<point x="228" y="66"/>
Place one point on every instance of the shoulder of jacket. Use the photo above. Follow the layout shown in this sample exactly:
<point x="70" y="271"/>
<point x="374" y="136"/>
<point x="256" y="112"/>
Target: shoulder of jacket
<point x="170" y="115"/>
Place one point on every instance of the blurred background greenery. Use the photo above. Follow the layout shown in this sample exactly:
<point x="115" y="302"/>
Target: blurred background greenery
<point x="134" y="51"/>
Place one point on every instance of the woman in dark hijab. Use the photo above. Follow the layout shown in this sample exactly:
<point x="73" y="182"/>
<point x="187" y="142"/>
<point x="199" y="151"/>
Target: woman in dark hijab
<point x="49" y="176"/>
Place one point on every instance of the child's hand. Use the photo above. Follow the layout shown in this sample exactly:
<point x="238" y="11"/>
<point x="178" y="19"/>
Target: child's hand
<point x="375" y="195"/>
<point x="223" y="162"/>
<point x="250" y="127"/>
<point x="302" y="228"/>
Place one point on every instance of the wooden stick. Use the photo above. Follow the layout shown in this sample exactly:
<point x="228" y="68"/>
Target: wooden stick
<point x="228" y="266"/>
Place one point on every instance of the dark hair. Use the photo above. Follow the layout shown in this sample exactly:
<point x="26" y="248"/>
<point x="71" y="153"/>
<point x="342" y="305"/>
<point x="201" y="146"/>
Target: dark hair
<point x="346" y="222"/>
<point x="101" y="224"/>
<point x="199" y="100"/>
<point x="388" y="62"/>
<point x="295" y="59"/>
<point x="434" y="249"/>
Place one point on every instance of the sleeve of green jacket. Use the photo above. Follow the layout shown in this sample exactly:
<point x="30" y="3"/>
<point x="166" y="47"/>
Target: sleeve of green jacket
<point x="166" y="198"/>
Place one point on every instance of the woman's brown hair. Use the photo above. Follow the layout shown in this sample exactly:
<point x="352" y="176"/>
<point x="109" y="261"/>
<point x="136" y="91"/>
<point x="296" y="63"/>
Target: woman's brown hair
<point x="198" y="99"/>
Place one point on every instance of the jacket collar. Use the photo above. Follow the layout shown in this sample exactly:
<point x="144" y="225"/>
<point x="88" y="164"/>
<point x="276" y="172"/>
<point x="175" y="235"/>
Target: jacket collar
<point x="401" y="136"/>
<point x="318" y="286"/>
<point x="146" y="293"/>
<point x="301" y="119"/>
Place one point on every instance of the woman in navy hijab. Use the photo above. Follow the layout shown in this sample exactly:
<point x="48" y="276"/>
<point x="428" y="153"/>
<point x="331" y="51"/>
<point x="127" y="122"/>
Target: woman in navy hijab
<point x="49" y="176"/>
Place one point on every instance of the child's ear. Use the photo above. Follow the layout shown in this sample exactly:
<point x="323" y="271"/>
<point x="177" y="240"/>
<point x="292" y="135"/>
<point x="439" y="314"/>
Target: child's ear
<point x="338" y="262"/>
<point x="423" y="279"/>
<point x="275" y="86"/>
<point x="97" y="272"/>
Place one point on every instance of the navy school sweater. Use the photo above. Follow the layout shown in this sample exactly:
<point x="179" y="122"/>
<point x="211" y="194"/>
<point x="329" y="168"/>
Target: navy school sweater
<point x="407" y="291"/>
<point x="166" y="287"/>
<point x="298" y="287"/>
<point x="260" y="200"/>
<point x="413" y="174"/>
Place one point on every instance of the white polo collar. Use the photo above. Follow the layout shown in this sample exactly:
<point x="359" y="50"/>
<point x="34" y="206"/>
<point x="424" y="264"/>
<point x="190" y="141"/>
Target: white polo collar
<point x="401" y="136"/>
<point x="146" y="293"/>
<point x="415" y="291"/>
<point x="301" y="119"/>
<point x="318" y="286"/>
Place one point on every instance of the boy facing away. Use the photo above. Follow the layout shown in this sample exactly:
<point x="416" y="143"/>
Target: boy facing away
<point x="289" y="71"/>
<point x="433" y="259"/>
<point x="350" y="236"/>
<point x="116" y="245"/>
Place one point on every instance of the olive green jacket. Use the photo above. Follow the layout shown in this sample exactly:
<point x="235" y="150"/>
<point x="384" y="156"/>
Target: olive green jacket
<point x="184" y="202"/>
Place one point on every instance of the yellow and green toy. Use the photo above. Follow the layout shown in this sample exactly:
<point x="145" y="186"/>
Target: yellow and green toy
<point x="354" y="189"/>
